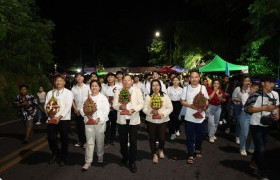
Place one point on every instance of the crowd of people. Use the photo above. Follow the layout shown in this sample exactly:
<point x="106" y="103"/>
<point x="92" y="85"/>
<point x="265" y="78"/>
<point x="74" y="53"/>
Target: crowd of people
<point x="201" y="102"/>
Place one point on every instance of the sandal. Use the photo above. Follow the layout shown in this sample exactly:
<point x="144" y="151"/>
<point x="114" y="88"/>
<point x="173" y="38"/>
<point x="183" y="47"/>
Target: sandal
<point x="190" y="160"/>
<point x="198" y="153"/>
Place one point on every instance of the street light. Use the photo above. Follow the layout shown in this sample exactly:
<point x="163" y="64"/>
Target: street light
<point x="157" y="34"/>
<point x="55" y="66"/>
<point x="79" y="70"/>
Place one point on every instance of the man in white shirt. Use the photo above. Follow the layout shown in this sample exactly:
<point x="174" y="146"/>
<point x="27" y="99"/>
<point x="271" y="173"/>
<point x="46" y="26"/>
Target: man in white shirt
<point x="148" y="84"/>
<point x="119" y="76"/>
<point x="195" y="127"/>
<point x="262" y="103"/>
<point x="62" y="118"/>
<point x="138" y="84"/>
<point x="80" y="92"/>
<point x="109" y="91"/>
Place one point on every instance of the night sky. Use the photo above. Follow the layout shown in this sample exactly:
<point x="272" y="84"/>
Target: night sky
<point x="89" y="28"/>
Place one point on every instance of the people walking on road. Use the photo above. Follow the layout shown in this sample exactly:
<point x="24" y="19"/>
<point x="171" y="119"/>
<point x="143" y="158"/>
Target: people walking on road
<point x="40" y="110"/>
<point x="80" y="92"/>
<point x="128" y="122"/>
<point x="237" y="101"/>
<point x="216" y="98"/>
<point x="194" y="127"/>
<point x="95" y="131"/>
<point x="28" y="105"/>
<point x="264" y="108"/>
<point x="157" y="117"/>
<point x="109" y="91"/>
<point x="58" y="106"/>
<point x="175" y="92"/>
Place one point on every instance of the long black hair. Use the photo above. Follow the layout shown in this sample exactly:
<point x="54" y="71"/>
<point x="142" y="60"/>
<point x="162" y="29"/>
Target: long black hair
<point x="242" y="81"/>
<point x="160" y="88"/>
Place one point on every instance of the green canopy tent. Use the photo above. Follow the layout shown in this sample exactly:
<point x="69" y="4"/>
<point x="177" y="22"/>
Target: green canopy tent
<point x="220" y="65"/>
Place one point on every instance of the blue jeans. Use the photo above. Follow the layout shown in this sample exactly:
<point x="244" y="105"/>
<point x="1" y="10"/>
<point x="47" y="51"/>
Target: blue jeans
<point x="244" y="121"/>
<point x="194" y="136"/>
<point x="236" y="112"/>
<point x="213" y="119"/>
<point x="259" y="136"/>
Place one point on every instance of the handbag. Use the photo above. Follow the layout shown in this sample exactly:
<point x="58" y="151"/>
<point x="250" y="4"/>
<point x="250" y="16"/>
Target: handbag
<point x="267" y="120"/>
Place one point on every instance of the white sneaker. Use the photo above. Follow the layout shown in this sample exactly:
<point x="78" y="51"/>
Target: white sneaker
<point x="177" y="133"/>
<point x="211" y="139"/>
<point x="237" y="140"/>
<point x="100" y="159"/>
<point x="224" y="121"/>
<point x="86" y="166"/>
<point x="38" y="123"/>
<point x="173" y="136"/>
<point x="243" y="152"/>
<point x="251" y="150"/>
<point x="77" y="145"/>
<point x="220" y="122"/>
<point x="215" y="138"/>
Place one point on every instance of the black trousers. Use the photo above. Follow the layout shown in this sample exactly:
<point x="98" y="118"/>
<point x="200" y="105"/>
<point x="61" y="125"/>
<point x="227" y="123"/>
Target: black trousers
<point x="80" y="129"/>
<point x="131" y="131"/>
<point x="174" y="122"/>
<point x="111" y="127"/>
<point x="156" y="132"/>
<point x="62" y="127"/>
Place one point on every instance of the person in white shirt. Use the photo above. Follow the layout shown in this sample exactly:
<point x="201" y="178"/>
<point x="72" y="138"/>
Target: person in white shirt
<point x="128" y="124"/>
<point x="42" y="98"/>
<point x="62" y="117"/>
<point x="157" y="127"/>
<point x="175" y="92"/>
<point x="95" y="131"/>
<point x="262" y="103"/>
<point x="109" y="91"/>
<point x="237" y="101"/>
<point x="80" y="92"/>
<point x="138" y="84"/>
<point x="119" y="76"/>
<point x="92" y="76"/>
<point x="194" y="127"/>
<point x="148" y="84"/>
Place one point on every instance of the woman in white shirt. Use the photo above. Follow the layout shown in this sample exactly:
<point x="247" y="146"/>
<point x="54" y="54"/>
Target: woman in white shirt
<point x="95" y="132"/>
<point x="157" y="127"/>
<point x="175" y="92"/>
<point x="237" y="102"/>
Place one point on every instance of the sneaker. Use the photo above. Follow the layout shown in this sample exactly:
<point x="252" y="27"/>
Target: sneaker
<point x="243" y="152"/>
<point x="38" y="123"/>
<point x="251" y="151"/>
<point x="237" y="140"/>
<point x="106" y="145"/>
<point x="227" y="131"/>
<point x="224" y="121"/>
<point x="177" y="133"/>
<point x="78" y="145"/>
<point x="215" y="138"/>
<point x="86" y="166"/>
<point x="220" y="122"/>
<point x="173" y="137"/>
<point x="211" y="139"/>
<point x="84" y="146"/>
<point x="100" y="159"/>
<point x="253" y="165"/>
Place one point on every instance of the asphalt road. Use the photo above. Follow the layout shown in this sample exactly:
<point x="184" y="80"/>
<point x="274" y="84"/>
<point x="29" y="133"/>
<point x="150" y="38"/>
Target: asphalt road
<point x="220" y="160"/>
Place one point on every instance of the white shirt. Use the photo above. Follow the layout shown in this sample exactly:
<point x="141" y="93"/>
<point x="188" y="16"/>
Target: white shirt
<point x="119" y="85"/>
<point x="238" y="94"/>
<point x="174" y="94"/>
<point x="108" y="90"/>
<point x="255" y="118"/>
<point x="64" y="99"/>
<point x="42" y="97"/>
<point x="80" y="93"/>
<point x="188" y="95"/>
<point x="148" y="87"/>
<point x="140" y="86"/>
<point x="102" y="108"/>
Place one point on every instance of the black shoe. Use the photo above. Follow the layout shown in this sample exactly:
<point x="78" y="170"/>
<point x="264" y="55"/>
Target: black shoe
<point x="25" y="141"/>
<point x="62" y="163"/>
<point x="53" y="159"/>
<point x="133" y="168"/>
<point x="123" y="163"/>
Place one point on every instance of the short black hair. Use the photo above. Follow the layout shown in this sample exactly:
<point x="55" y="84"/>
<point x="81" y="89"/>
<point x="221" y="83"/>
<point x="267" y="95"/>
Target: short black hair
<point x="96" y="81"/>
<point x="23" y="86"/>
<point x="79" y="74"/>
<point x="110" y="74"/>
<point x="194" y="71"/>
<point x="94" y="74"/>
<point x="59" y="76"/>
<point x="268" y="78"/>
<point x="119" y="72"/>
